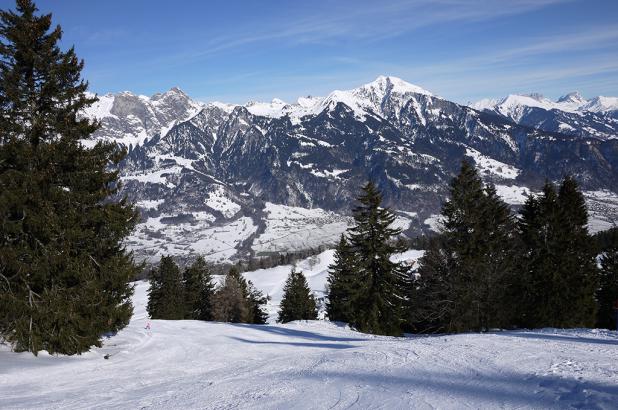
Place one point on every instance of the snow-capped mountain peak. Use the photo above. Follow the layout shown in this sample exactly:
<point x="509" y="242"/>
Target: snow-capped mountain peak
<point x="601" y="104"/>
<point x="218" y="179"/>
<point x="572" y="102"/>
<point x="573" y="98"/>
<point x="372" y="97"/>
<point x="571" y="114"/>
<point x="389" y="84"/>
<point x="385" y="96"/>
<point x="514" y="106"/>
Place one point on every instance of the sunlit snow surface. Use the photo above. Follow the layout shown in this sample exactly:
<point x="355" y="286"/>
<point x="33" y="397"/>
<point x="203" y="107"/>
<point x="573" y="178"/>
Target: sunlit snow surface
<point x="316" y="365"/>
<point x="294" y="228"/>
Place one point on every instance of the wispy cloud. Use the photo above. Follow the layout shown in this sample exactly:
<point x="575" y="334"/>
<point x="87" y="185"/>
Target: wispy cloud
<point x="367" y="21"/>
<point x="532" y="61"/>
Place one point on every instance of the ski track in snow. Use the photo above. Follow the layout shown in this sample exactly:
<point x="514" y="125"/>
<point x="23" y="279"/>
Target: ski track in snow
<point x="317" y="365"/>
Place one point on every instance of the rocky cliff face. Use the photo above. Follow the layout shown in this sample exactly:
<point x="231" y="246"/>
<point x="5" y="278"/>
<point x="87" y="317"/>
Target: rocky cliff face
<point x="232" y="181"/>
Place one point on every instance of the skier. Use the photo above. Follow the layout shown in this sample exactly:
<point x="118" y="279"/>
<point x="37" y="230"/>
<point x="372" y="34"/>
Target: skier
<point x="147" y="326"/>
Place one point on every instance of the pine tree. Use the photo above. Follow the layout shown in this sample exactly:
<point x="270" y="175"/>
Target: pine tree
<point x="578" y="262"/>
<point x="64" y="276"/>
<point x="607" y="294"/>
<point x="297" y="303"/>
<point x="495" y="272"/>
<point x="539" y="217"/>
<point x="165" y="296"/>
<point x="256" y="302"/>
<point x="431" y="306"/>
<point x="230" y="300"/>
<point x="342" y="284"/>
<point x="378" y="305"/>
<point x="558" y="271"/>
<point x="199" y="291"/>
<point x="465" y="272"/>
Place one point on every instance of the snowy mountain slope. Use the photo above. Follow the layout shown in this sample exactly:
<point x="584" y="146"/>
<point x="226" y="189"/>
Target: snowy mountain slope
<point x="571" y="114"/>
<point x="218" y="166"/>
<point x="130" y="119"/>
<point x="384" y="96"/>
<point x="307" y="365"/>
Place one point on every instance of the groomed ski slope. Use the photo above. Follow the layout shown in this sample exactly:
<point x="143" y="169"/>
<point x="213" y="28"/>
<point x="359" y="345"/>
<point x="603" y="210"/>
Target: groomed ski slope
<point x="316" y="365"/>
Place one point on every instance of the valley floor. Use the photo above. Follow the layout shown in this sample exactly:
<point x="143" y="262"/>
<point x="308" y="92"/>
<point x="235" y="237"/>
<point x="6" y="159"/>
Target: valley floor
<point x="318" y="365"/>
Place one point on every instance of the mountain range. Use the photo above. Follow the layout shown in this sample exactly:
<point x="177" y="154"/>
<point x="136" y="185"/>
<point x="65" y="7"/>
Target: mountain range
<point x="234" y="181"/>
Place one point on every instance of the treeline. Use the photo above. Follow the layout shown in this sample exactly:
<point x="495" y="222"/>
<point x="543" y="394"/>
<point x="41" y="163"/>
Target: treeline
<point x="264" y="261"/>
<point x="488" y="268"/>
<point x="191" y="294"/>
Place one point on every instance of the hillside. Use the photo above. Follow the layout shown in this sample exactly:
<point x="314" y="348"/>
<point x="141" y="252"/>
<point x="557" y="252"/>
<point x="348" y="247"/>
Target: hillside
<point x="190" y="364"/>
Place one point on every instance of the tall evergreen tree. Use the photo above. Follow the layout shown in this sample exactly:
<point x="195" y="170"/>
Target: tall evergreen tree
<point x="578" y="262"/>
<point x="256" y="302"/>
<point x="342" y="284"/>
<point x="378" y="306"/>
<point x="297" y="303"/>
<point x="466" y="271"/>
<point x="558" y="271"/>
<point x="198" y="291"/>
<point x="607" y="294"/>
<point x="64" y="274"/>
<point x="431" y="307"/>
<point x="238" y="301"/>
<point x="166" y="295"/>
<point x="537" y="226"/>
<point x="230" y="300"/>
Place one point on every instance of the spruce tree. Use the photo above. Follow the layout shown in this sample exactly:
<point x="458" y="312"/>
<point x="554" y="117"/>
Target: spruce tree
<point x="607" y="294"/>
<point x="558" y="272"/>
<point x="256" y="302"/>
<point x="297" y="303"/>
<point x="539" y="216"/>
<point x="431" y="307"/>
<point x="198" y="291"/>
<point x="378" y="305"/>
<point x="230" y="302"/>
<point x="238" y="301"/>
<point x="165" y="296"/>
<point x="64" y="276"/>
<point x="342" y="284"/>
<point x="578" y="264"/>
<point x="464" y="274"/>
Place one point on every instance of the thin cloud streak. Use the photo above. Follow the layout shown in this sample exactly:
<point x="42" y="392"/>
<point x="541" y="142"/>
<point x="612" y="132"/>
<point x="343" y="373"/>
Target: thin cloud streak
<point x="373" y="24"/>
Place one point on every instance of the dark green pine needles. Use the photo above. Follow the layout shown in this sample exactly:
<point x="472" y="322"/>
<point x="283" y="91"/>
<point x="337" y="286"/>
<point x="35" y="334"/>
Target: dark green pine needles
<point x="342" y="284"/>
<point x="607" y="294"/>
<point x="297" y="303"/>
<point x="464" y="275"/>
<point x="368" y="289"/>
<point x="166" y="294"/>
<point x="198" y="290"/>
<point x="559" y="274"/>
<point x="64" y="275"/>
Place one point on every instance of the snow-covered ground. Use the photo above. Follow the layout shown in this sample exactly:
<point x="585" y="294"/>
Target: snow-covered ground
<point x="317" y="365"/>
<point x="294" y="228"/>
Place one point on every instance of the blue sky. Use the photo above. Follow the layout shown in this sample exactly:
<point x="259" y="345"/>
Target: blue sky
<point x="236" y="51"/>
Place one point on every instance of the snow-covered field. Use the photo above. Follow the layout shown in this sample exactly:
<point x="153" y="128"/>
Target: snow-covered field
<point x="317" y="365"/>
<point x="294" y="228"/>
